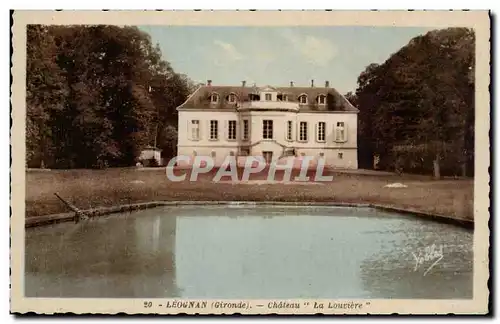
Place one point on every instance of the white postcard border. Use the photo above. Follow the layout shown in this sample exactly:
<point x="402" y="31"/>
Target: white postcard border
<point x="479" y="20"/>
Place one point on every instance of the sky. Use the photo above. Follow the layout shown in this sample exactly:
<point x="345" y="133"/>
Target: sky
<point x="277" y="55"/>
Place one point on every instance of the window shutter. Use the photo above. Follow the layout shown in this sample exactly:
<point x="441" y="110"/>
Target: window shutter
<point x="209" y="130"/>
<point x="345" y="132"/>
<point x="242" y="129"/>
<point x="189" y="130"/>
<point x="335" y="133"/>
<point x="226" y="129"/>
<point x="316" y="130"/>
<point x="200" y="130"/>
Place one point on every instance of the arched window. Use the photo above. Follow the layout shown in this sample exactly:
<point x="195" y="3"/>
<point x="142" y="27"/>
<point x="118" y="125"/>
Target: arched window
<point x="321" y="99"/>
<point x="232" y="98"/>
<point x="303" y="99"/>
<point x="214" y="98"/>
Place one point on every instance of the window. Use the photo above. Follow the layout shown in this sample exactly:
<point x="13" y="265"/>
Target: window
<point x="231" y="98"/>
<point x="340" y="132"/>
<point x="282" y="97"/>
<point x="212" y="154"/>
<point x="214" y="130"/>
<point x="254" y="97"/>
<point x="194" y="153"/>
<point x="231" y="153"/>
<point x="289" y="152"/>
<point x="289" y="130"/>
<point x="320" y="132"/>
<point x="267" y="129"/>
<point x="231" y="130"/>
<point x="341" y="155"/>
<point x="268" y="97"/>
<point x="303" y="99"/>
<point x="268" y="156"/>
<point x="303" y="132"/>
<point x="214" y="98"/>
<point x="322" y="100"/>
<point x="245" y="129"/>
<point x="195" y="130"/>
<point x="321" y="154"/>
<point x="245" y="151"/>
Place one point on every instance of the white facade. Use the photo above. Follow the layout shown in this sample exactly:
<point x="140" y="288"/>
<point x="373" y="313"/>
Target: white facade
<point x="270" y="128"/>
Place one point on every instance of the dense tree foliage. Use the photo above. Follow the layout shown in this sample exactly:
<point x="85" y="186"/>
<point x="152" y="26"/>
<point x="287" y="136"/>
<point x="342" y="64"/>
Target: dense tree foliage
<point x="417" y="108"/>
<point x="96" y="95"/>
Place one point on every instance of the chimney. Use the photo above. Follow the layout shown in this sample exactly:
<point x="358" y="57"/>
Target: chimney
<point x="209" y="83"/>
<point x="243" y="83"/>
<point x="291" y="83"/>
<point x="312" y="83"/>
<point x="327" y="84"/>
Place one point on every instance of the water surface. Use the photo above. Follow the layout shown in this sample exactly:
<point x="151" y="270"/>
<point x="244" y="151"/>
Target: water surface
<point x="250" y="252"/>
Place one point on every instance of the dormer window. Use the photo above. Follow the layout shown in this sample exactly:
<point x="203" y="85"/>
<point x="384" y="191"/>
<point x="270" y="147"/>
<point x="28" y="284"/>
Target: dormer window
<point x="214" y="98"/>
<point x="254" y="97"/>
<point x="268" y="97"/>
<point x="231" y="98"/>
<point x="322" y="100"/>
<point x="282" y="97"/>
<point x="303" y="99"/>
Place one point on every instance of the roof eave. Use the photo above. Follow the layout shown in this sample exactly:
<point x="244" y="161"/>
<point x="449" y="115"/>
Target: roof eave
<point x="188" y="98"/>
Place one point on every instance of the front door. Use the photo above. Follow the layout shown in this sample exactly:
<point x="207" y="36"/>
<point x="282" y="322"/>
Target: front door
<point x="268" y="156"/>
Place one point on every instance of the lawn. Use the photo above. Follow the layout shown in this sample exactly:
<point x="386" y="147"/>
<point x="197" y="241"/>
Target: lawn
<point x="103" y="188"/>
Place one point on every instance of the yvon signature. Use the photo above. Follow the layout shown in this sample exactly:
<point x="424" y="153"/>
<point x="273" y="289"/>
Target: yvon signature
<point x="431" y="253"/>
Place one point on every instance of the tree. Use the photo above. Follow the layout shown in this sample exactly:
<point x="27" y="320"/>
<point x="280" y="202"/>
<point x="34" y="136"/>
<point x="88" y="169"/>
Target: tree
<point x="367" y="102"/>
<point x="351" y="97"/>
<point x="113" y="91"/>
<point x="421" y="97"/>
<point x="45" y="92"/>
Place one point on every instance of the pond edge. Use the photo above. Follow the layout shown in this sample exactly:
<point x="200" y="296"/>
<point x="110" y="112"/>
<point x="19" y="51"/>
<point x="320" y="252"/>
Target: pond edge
<point x="67" y="217"/>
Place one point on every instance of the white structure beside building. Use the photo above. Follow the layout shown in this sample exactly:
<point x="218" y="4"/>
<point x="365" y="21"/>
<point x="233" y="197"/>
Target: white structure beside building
<point x="273" y="122"/>
<point x="149" y="153"/>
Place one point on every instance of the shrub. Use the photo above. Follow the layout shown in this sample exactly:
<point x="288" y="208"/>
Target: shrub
<point x="153" y="163"/>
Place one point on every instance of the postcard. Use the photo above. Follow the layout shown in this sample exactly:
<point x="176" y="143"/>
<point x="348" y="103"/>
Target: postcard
<point x="250" y="162"/>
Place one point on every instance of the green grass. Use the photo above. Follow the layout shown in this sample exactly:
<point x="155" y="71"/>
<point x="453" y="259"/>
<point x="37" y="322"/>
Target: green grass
<point x="104" y="188"/>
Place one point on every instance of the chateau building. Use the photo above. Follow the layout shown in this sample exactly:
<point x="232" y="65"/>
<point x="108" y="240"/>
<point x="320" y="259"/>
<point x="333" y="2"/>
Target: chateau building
<point x="273" y="122"/>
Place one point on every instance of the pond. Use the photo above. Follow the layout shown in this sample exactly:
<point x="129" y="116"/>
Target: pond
<point x="267" y="252"/>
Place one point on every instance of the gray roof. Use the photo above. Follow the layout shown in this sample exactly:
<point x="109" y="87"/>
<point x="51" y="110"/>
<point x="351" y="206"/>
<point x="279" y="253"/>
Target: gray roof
<point x="201" y="97"/>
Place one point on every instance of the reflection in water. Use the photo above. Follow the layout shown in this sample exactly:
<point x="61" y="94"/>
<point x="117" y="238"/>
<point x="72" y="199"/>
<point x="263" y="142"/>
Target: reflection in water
<point x="241" y="252"/>
<point x="121" y="256"/>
